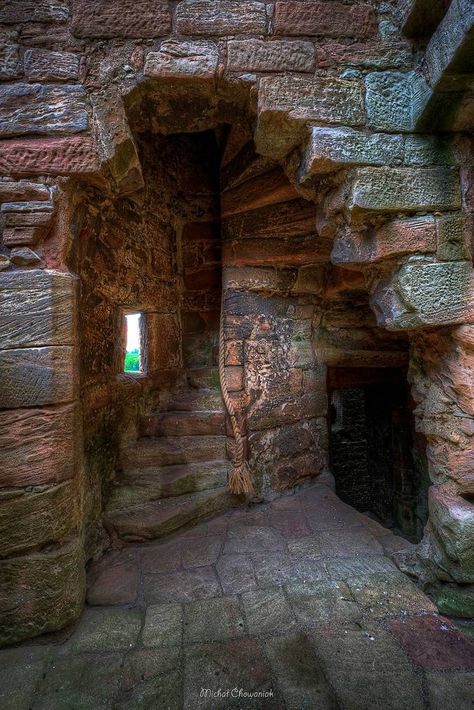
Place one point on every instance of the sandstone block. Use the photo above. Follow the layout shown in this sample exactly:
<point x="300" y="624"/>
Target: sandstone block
<point x="14" y="236"/>
<point x="37" y="445"/>
<point x="367" y="55"/>
<point x="10" y="64"/>
<point x="23" y="190"/>
<point x="24" y="256"/>
<point x="261" y="191"/>
<point x="305" y="250"/>
<point x="422" y="294"/>
<point x="43" y="65"/>
<point x="287" y="103"/>
<point x="287" y="219"/>
<point x="453" y="232"/>
<point x="16" y="11"/>
<point x="257" y="55"/>
<point x="310" y="280"/>
<point x="452" y="518"/>
<point x="220" y="17"/>
<point x="331" y="149"/>
<point x="452" y="37"/>
<point x="404" y="189"/>
<point x="183" y="60"/>
<point x="121" y="18"/>
<point x="258" y="279"/>
<point x="42" y="109"/>
<point x="389" y="100"/>
<point x="41" y="592"/>
<point x="36" y="376"/>
<point x="50" y="156"/>
<point x="36" y="308"/>
<point x="37" y="517"/>
<point x="327" y="19"/>
<point x="428" y="150"/>
<point x="394" y="239"/>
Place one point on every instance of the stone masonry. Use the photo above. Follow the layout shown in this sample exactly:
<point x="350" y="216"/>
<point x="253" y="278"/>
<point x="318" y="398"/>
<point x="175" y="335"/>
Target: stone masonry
<point x="310" y="164"/>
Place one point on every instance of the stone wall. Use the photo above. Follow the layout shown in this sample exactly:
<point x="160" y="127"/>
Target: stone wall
<point x="342" y="97"/>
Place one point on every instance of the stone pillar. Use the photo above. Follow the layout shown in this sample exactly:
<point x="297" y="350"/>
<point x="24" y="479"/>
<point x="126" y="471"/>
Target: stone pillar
<point x="41" y="553"/>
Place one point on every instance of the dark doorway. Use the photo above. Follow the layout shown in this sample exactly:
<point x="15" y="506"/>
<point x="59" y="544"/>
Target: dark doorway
<point x="375" y="455"/>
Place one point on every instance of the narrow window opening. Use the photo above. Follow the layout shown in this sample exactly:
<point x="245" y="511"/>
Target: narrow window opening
<point x="133" y="349"/>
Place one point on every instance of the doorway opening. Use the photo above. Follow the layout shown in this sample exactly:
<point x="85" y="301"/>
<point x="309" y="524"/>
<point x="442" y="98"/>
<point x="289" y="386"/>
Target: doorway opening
<point x="376" y="457"/>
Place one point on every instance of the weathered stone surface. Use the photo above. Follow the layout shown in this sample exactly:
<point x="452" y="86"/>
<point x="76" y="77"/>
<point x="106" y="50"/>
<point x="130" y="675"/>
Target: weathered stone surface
<point x="261" y="191"/>
<point x="428" y="150"/>
<point x="15" y="11"/>
<point x="393" y="239"/>
<point x="121" y="18"/>
<point x="454" y="599"/>
<point x="37" y="308"/>
<point x="10" y="64"/>
<point x="24" y="256"/>
<point x="37" y="445"/>
<point x="41" y="592"/>
<point x="38" y="517"/>
<point x="404" y="189"/>
<point x="368" y="55"/>
<point x="452" y="36"/>
<point x="220" y="17"/>
<point x="36" y="376"/>
<point x="287" y="219"/>
<point x="327" y="19"/>
<point x="389" y="100"/>
<point x="23" y="190"/>
<point x="183" y="60"/>
<point x="41" y="109"/>
<point x="53" y="156"/>
<point x="423" y="294"/>
<point x="163" y="625"/>
<point x="285" y="103"/>
<point x="331" y="149"/>
<point x="13" y="236"/>
<point x="257" y="55"/>
<point x="453" y="231"/>
<point x="43" y="65"/>
<point x="452" y="518"/>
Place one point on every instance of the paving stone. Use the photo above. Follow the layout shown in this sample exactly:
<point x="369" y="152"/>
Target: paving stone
<point x="349" y="541"/>
<point x="143" y="664"/>
<point x="18" y="681"/>
<point x="106" y="629"/>
<point x="367" y="668"/>
<point x="182" y="586"/>
<point x="253" y="538"/>
<point x="381" y="595"/>
<point x="310" y="570"/>
<point x="159" y="559"/>
<point x="290" y="524"/>
<point x="450" y="690"/>
<point x="236" y="573"/>
<point x="163" y="691"/>
<point x="267" y="611"/>
<point x="299" y="673"/>
<point x="163" y="625"/>
<point x="340" y="568"/>
<point x="201" y="552"/>
<point x="226" y="666"/>
<point x="113" y="580"/>
<point x="80" y="682"/>
<point x="434" y="643"/>
<point x="308" y="547"/>
<point x="274" y="569"/>
<point x="321" y="603"/>
<point x="213" y="620"/>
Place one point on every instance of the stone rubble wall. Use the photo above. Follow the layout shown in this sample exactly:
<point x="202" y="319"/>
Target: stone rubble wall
<point x="345" y="102"/>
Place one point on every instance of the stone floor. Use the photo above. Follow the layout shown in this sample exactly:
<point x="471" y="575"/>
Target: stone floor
<point x="296" y="602"/>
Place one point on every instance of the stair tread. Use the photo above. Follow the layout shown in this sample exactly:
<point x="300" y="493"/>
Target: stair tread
<point x="170" y="450"/>
<point x="160" y="517"/>
<point x="154" y="474"/>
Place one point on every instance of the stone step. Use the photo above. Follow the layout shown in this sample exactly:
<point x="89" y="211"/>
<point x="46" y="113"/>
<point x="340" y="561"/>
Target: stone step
<point x="209" y="399"/>
<point x="166" y="481"/>
<point x="161" y="517"/>
<point x="203" y="377"/>
<point x="183" y="424"/>
<point x="170" y="450"/>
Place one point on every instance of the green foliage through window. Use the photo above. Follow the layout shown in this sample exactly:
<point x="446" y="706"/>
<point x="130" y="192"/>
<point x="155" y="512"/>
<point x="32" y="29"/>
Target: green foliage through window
<point x="132" y="361"/>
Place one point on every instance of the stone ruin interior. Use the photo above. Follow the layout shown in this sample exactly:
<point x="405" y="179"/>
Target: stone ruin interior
<point x="284" y="193"/>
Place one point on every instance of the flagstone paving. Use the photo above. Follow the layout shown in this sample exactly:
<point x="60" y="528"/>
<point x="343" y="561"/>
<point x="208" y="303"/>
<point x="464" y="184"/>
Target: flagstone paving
<point x="296" y="601"/>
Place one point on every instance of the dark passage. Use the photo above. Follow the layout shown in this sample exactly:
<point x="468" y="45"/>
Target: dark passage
<point x="376" y="458"/>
